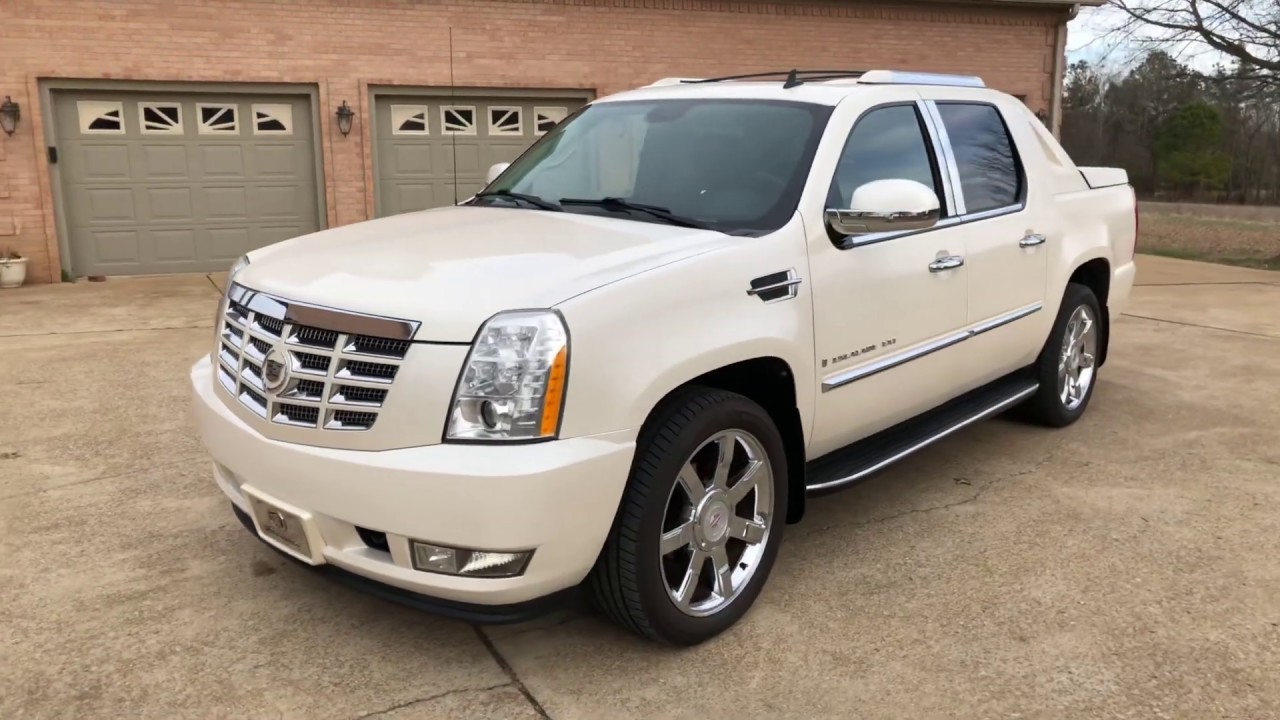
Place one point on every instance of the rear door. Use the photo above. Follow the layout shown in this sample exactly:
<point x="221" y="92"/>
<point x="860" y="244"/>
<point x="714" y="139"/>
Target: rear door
<point x="1006" y="247"/>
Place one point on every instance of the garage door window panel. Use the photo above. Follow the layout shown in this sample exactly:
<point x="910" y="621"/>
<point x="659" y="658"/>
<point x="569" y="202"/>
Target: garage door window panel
<point x="546" y="118"/>
<point x="991" y="175"/>
<point x="409" y="120"/>
<point x="160" y="118"/>
<point x="272" y="119"/>
<point x="218" y="119"/>
<point x="458" y="120"/>
<point x="506" y="120"/>
<point x="101" y="117"/>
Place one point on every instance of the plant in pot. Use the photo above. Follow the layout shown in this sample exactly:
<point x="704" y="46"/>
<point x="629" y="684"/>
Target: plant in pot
<point x="13" y="268"/>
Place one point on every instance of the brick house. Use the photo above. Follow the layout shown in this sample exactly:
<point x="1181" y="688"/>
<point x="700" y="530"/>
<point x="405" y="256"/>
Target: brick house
<point x="173" y="135"/>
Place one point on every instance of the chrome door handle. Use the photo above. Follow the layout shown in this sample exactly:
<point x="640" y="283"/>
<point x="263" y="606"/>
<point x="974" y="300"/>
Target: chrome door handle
<point x="1032" y="240"/>
<point x="949" y="262"/>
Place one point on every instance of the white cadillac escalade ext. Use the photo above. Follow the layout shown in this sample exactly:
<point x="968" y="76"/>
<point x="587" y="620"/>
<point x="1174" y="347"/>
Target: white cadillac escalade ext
<point x="627" y="362"/>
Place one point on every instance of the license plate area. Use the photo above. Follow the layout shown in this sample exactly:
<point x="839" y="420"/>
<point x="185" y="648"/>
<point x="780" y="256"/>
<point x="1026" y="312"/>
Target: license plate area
<point x="284" y="526"/>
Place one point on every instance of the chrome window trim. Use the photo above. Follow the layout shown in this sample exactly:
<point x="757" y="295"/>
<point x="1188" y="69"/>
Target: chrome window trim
<point x="944" y="168"/>
<point x="953" y="167"/>
<point x="889" y="362"/>
<point x="874" y="238"/>
<point x="341" y="321"/>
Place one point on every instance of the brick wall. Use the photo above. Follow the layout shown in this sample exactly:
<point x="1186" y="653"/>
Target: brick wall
<point x="343" y="46"/>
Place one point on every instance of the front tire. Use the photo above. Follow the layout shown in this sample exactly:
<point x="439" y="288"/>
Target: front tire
<point x="700" y="522"/>
<point x="1067" y="367"/>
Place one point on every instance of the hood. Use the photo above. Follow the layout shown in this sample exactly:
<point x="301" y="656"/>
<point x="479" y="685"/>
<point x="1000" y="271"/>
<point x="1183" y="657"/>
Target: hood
<point x="452" y="268"/>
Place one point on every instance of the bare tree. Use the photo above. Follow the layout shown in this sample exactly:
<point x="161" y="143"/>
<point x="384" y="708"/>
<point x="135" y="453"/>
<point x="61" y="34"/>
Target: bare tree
<point x="1246" y="30"/>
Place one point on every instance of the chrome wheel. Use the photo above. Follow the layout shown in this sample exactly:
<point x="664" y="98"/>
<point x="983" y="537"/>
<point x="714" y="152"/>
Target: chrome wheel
<point x="1076" y="363"/>
<point x="717" y="523"/>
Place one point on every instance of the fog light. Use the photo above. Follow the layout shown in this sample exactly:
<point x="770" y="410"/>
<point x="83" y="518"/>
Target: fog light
<point x="468" y="563"/>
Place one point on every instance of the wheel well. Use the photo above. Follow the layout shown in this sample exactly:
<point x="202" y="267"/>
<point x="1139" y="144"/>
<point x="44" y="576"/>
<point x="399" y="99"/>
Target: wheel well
<point x="769" y="382"/>
<point x="1096" y="275"/>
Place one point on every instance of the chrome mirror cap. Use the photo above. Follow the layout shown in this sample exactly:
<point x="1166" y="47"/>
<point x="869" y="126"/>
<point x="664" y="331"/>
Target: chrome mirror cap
<point x="495" y="170"/>
<point x="886" y="206"/>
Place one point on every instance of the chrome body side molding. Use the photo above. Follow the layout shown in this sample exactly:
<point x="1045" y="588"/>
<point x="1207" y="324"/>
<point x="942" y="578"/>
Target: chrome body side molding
<point x="886" y="363"/>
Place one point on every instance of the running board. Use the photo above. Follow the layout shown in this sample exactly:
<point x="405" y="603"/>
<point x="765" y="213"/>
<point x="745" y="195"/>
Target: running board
<point x="862" y="459"/>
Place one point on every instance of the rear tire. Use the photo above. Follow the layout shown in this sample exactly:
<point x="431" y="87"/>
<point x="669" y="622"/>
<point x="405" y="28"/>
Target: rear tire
<point x="1067" y="366"/>
<point x="700" y="522"/>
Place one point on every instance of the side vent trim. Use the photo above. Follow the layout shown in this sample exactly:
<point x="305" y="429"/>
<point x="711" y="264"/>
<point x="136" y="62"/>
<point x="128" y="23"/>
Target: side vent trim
<point x="776" y="287"/>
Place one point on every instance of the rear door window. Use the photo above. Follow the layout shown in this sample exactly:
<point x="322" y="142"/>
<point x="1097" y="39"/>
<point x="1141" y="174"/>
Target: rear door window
<point x="990" y="175"/>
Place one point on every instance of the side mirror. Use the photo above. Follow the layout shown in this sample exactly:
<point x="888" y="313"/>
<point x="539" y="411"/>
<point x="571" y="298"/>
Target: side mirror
<point x="886" y="206"/>
<point x="495" y="170"/>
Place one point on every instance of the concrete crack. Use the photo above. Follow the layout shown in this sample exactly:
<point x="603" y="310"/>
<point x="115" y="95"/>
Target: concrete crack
<point x="429" y="698"/>
<point x="114" y="330"/>
<point x="214" y="284"/>
<point x="82" y="481"/>
<point x="511" y="673"/>
<point x="1203" y="327"/>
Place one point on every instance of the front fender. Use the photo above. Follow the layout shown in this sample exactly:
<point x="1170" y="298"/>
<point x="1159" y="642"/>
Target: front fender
<point x="636" y="340"/>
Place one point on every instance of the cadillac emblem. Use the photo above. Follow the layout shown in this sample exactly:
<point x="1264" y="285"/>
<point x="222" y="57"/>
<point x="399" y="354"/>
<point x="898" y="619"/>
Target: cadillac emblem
<point x="275" y="370"/>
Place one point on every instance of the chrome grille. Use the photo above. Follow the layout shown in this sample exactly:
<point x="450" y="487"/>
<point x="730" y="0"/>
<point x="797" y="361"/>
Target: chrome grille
<point x="337" y="380"/>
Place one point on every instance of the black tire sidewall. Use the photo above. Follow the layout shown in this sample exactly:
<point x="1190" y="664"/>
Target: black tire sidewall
<point x="734" y="412"/>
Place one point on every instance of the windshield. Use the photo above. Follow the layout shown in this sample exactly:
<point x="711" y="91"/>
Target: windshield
<point x="737" y="166"/>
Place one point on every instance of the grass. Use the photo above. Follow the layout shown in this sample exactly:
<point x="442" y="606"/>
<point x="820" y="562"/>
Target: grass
<point x="1254" y="244"/>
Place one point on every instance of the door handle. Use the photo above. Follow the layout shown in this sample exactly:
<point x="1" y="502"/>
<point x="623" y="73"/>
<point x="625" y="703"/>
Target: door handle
<point x="948" y="262"/>
<point x="1032" y="240"/>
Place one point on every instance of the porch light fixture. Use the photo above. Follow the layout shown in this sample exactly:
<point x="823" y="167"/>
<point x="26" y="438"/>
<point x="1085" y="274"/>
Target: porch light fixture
<point x="345" y="114"/>
<point x="10" y="111"/>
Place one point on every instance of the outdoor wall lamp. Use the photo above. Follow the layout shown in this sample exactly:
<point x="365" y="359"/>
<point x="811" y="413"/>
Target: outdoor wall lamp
<point x="9" y="114"/>
<point x="345" y="114"/>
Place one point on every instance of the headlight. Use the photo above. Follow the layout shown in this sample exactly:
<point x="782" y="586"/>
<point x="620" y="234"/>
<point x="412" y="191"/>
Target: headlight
<point x="512" y="385"/>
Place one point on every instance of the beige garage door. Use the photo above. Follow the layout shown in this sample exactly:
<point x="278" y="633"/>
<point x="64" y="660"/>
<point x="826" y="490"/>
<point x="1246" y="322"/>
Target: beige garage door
<point x="415" y="138"/>
<point x="165" y="182"/>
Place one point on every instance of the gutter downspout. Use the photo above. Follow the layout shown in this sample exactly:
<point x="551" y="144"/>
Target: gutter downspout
<point x="1059" y="71"/>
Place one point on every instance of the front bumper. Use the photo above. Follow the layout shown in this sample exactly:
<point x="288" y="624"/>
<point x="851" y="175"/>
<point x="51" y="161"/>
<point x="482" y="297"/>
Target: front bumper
<point x="556" y="498"/>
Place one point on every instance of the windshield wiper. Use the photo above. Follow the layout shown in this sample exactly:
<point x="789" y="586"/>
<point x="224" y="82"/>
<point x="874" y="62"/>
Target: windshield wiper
<point x="616" y="203"/>
<point x="533" y="200"/>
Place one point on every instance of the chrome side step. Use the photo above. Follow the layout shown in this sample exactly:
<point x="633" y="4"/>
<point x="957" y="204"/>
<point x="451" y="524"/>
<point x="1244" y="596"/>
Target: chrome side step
<point x="870" y="455"/>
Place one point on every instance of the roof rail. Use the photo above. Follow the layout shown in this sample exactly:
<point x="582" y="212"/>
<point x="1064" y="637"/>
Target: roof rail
<point x="673" y="81"/>
<point x="901" y="77"/>
<point x="794" y="77"/>
<point x="871" y="77"/>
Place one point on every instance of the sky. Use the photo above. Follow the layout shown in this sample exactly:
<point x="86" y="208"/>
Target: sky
<point x="1088" y="39"/>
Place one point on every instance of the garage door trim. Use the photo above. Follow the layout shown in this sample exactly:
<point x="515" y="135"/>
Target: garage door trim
<point x="48" y="87"/>
<point x="444" y="93"/>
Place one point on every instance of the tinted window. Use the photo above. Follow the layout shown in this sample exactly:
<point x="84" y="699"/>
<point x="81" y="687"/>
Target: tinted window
<point x="885" y="144"/>
<point x="989" y="172"/>
<point x="737" y="165"/>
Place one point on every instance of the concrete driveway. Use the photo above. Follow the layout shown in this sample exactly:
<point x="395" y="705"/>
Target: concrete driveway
<point x="1126" y="567"/>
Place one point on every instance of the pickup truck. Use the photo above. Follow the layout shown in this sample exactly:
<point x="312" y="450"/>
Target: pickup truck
<point x="626" y="365"/>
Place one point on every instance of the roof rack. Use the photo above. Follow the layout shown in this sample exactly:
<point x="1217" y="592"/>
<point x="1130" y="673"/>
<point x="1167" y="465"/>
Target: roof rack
<point x="796" y="77"/>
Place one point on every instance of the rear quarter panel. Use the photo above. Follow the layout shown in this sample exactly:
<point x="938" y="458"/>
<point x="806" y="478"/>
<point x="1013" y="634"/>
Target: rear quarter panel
<point x="636" y="340"/>
<point x="1087" y="223"/>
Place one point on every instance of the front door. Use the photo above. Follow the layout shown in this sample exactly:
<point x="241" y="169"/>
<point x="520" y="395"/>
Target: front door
<point x="885" y="311"/>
